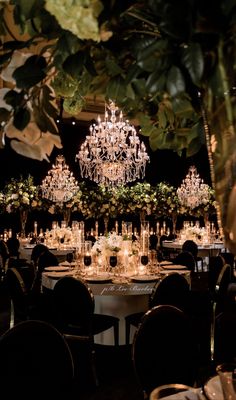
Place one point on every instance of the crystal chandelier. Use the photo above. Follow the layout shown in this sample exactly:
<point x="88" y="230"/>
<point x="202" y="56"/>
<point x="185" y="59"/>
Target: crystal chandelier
<point x="193" y="191"/>
<point x="112" y="153"/>
<point x="59" y="185"/>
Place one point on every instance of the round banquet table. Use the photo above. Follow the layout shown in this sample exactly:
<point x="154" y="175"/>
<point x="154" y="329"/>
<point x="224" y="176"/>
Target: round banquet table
<point x="204" y="249"/>
<point x="117" y="299"/>
<point x="25" y="252"/>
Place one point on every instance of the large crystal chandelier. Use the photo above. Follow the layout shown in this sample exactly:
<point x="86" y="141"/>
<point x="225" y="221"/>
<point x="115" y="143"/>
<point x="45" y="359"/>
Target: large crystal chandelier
<point x="193" y="191"/>
<point x="112" y="153"/>
<point x="59" y="185"/>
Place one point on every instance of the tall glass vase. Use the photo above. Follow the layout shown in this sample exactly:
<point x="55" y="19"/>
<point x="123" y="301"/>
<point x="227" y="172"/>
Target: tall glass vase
<point x="106" y="220"/>
<point x="23" y="220"/>
<point x="67" y="215"/>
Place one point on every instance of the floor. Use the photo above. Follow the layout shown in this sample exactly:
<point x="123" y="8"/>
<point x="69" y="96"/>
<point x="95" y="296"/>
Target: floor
<point x="114" y="366"/>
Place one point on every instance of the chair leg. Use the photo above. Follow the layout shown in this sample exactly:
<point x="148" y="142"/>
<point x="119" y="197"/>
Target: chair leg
<point x="93" y="366"/>
<point x="127" y="332"/>
<point x="213" y="331"/>
<point x="116" y="333"/>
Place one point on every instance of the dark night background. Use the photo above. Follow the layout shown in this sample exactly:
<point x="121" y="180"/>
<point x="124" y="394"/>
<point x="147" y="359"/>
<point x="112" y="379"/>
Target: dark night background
<point x="165" y="165"/>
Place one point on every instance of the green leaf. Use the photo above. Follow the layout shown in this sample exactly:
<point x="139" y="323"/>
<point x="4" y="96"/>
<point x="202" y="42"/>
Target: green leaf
<point x="31" y="73"/>
<point x="14" y="98"/>
<point x="113" y="68"/>
<point x="156" y="139"/>
<point x="192" y="58"/>
<point x="147" y="125"/>
<point x="116" y="89"/>
<point x="47" y="104"/>
<point x="73" y="65"/>
<point x="162" y="118"/>
<point x="130" y="92"/>
<point x="15" y="44"/>
<point x="139" y="86"/>
<point x="43" y="121"/>
<point x="5" y="57"/>
<point x="156" y="82"/>
<point x="132" y="73"/>
<point x="182" y="107"/>
<point x="193" y="148"/>
<point x="4" y="114"/>
<point x="89" y="65"/>
<point x="175" y="82"/>
<point x="21" y="118"/>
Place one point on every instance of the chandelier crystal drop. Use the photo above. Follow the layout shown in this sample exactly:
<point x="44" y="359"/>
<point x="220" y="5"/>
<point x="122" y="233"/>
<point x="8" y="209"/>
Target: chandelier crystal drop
<point x="193" y="191"/>
<point x="59" y="185"/>
<point x="112" y="153"/>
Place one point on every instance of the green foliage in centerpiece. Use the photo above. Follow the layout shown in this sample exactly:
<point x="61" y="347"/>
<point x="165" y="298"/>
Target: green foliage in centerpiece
<point x="22" y="194"/>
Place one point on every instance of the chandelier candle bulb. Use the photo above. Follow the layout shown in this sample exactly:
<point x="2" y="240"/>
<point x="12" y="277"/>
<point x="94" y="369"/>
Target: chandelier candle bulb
<point x="35" y="228"/>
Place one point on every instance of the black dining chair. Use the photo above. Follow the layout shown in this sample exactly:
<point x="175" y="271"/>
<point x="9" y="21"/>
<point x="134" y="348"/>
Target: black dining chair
<point x="25" y="304"/>
<point x="171" y="289"/>
<point x="187" y="259"/>
<point x="224" y="337"/>
<point x="192" y="247"/>
<point x="73" y="310"/>
<point x="35" y="360"/>
<point x="220" y="299"/>
<point x="164" y="349"/>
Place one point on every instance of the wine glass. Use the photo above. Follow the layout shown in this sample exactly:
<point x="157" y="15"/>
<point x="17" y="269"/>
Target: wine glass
<point x="144" y="259"/>
<point x="113" y="261"/>
<point x="87" y="260"/>
<point x="69" y="258"/>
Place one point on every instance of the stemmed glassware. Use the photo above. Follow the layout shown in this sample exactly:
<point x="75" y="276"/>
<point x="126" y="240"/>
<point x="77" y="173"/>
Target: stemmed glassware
<point x="69" y="258"/>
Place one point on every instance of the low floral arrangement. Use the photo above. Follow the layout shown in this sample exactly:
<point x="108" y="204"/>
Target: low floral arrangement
<point x="64" y="235"/>
<point x="194" y="232"/>
<point x="107" y="244"/>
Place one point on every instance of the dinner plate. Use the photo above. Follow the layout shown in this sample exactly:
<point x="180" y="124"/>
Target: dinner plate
<point x="165" y="263"/>
<point x="145" y="278"/>
<point x="173" y="266"/>
<point x="67" y="264"/>
<point x="213" y="390"/>
<point x="57" y="268"/>
<point x="169" y="271"/>
<point x="59" y="274"/>
<point x="98" y="279"/>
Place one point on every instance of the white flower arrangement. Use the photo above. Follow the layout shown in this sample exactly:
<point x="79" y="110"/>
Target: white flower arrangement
<point x="107" y="244"/>
<point x="58" y="234"/>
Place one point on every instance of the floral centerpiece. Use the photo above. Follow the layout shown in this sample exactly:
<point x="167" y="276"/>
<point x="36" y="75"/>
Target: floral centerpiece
<point x="59" y="236"/>
<point x="142" y="200"/>
<point x="22" y="195"/>
<point x="195" y="233"/>
<point x="108" y="244"/>
<point x="114" y="244"/>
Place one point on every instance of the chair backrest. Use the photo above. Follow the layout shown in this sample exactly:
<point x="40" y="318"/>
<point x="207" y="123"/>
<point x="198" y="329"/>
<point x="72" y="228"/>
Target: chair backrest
<point x="164" y="349"/>
<point x="13" y="245"/>
<point x="224" y="340"/>
<point x="186" y="258"/>
<point x="172" y="289"/>
<point x="18" y="293"/>
<point x="216" y="264"/>
<point x="73" y="304"/>
<point x="35" y="356"/>
<point x="191" y="247"/>
<point x="223" y="281"/>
